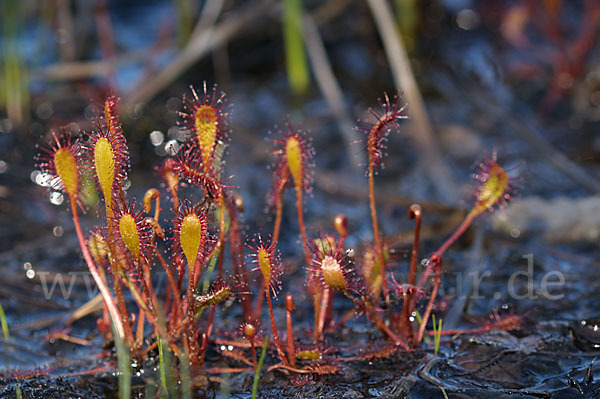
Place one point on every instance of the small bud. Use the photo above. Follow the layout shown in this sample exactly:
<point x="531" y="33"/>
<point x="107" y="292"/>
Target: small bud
<point x="289" y="302"/>
<point x="168" y="174"/>
<point x="238" y="201"/>
<point x="341" y="225"/>
<point x="148" y="197"/>
<point x="414" y="211"/>
<point x="249" y="331"/>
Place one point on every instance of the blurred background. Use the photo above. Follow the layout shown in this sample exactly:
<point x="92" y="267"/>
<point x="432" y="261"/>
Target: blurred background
<point x="520" y="76"/>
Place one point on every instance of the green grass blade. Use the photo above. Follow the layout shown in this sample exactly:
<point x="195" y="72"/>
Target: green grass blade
<point x="437" y="334"/>
<point x="124" y="362"/>
<point x="263" y="354"/>
<point x="168" y="384"/>
<point x="420" y="320"/>
<point x="184" y="375"/>
<point x="4" y="323"/>
<point x="295" y="56"/>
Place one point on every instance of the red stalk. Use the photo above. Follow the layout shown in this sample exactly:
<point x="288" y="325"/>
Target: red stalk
<point x="108" y="300"/>
<point x="414" y="213"/>
<point x="115" y="268"/>
<point x="289" y="307"/>
<point x="278" y="345"/>
<point x="438" y="270"/>
<point x="378" y="240"/>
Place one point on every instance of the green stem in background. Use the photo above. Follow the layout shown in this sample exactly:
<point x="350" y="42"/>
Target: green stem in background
<point x="124" y="363"/>
<point x="263" y="354"/>
<point x="185" y="12"/>
<point x="184" y="376"/>
<point x="5" y="332"/>
<point x="14" y="90"/>
<point x="297" y="68"/>
<point x="167" y="379"/>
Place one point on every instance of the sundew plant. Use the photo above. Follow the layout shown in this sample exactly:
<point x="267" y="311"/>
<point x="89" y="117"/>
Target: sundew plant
<point x="211" y="260"/>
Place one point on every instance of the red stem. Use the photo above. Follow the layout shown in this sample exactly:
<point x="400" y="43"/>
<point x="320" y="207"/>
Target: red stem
<point x="139" y="335"/>
<point x="437" y="255"/>
<point x="301" y="225"/>
<point x="325" y="300"/>
<point x="213" y="309"/>
<point x="289" y="308"/>
<point x="280" y="351"/>
<point x="239" y="267"/>
<point x="461" y="229"/>
<point x="192" y="345"/>
<point x="414" y="213"/>
<point x="174" y="288"/>
<point x="378" y="240"/>
<point x="254" y="365"/>
<point x="108" y="300"/>
<point x="405" y="323"/>
<point x="278" y="212"/>
<point x="430" y="304"/>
